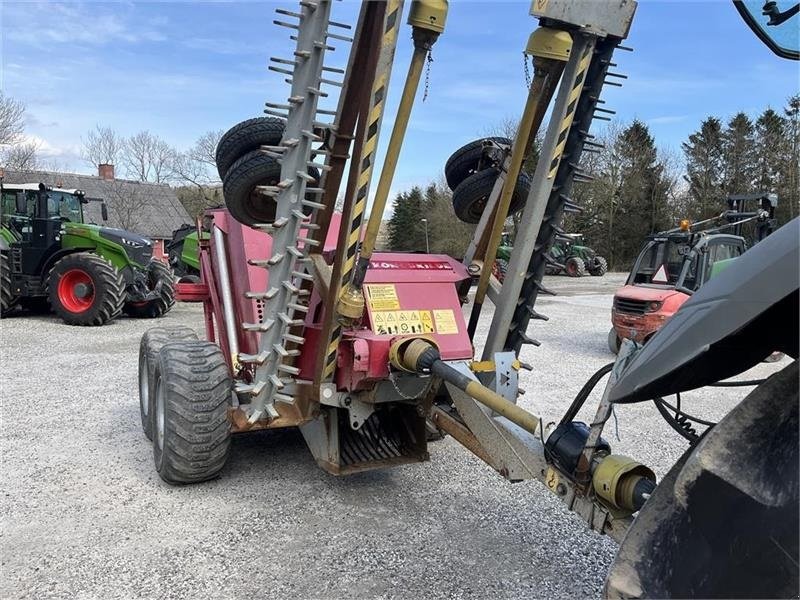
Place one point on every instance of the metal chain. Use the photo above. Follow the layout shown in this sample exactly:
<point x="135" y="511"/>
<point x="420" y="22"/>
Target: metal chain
<point x="399" y="391"/>
<point x="527" y="70"/>
<point x="427" y="75"/>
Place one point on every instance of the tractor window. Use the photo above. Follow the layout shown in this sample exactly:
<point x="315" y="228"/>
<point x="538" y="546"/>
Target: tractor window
<point x="64" y="206"/>
<point x="661" y="263"/>
<point x="720" y="251"/>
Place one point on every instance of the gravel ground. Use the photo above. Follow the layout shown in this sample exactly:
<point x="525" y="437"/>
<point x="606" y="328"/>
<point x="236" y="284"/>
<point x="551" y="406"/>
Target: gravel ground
<point x="84" y="514"/>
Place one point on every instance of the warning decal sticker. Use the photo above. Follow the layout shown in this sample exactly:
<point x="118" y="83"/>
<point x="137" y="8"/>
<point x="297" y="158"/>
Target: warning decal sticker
<point x="661" y="275"/>
<point x="382" y="297"/>
<point x="402" y="322"/>
<point x="445" y="321"/>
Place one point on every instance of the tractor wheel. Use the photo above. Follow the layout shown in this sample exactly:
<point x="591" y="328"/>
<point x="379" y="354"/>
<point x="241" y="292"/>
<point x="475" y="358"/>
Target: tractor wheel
<point x="7" y="299"/>
<point x="189" y="279"/>
<point x="158" y="272"/>
<point x="191" y="433"/>
<point x="575" y="267"/>
<point x="151" y="343"/>
<point x="85" y="289"/>
<point x="471" y="195"/>
<point x="723" y="523"/>
<point x="499" y="269"/>
<point x="464" y="161"/>
<point x="245" y="137"/>
<point x="613" y="341"/>
<point x="601" y="267"/>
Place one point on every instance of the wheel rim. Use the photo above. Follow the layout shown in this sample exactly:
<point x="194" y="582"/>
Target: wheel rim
<point x="76" y="291"/>
<point x="571" y="269"/>
<point x="161" y="417"/>
<point x="144" y="390"/>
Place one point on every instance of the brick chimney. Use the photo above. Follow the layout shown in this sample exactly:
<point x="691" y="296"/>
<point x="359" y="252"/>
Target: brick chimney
<point x="105" y="171"/>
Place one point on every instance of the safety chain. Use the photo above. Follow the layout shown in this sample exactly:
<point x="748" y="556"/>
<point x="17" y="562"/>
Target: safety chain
<point x="427" y="74"/>
<point x="399" y="391"/>
<point x="527" y="70"/>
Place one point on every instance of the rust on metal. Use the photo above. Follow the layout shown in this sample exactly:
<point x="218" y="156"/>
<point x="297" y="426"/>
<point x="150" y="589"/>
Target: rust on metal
<point x="462" y="435"/>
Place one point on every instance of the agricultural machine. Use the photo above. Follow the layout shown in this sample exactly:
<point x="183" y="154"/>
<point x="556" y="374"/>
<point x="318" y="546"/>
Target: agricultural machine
<point x="87" y="274"/>
<point x="183" y="253"/>
<point x="571" y="256"/>
<point x="674" y="264"/>
<point x="307" y="327"/>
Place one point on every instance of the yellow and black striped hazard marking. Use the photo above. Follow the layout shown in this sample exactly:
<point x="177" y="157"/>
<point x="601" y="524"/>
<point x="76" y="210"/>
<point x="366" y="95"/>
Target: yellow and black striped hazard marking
<point x="377" y="104"/>
<point x="574" y="97"/>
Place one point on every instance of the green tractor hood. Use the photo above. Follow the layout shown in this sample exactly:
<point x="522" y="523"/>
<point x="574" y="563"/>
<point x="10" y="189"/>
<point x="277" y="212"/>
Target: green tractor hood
<point x="122" y="248"/>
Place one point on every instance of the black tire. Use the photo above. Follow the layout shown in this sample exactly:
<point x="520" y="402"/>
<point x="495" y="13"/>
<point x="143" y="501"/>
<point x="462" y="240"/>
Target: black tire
<point x="245" y="137"/>
<point x="150" y="345"/>
<point x="613" y="341"/>
<point x="575" y="267"/>
<point x="470" y="197"/>
<point x="191" y="440"/>
<point x="244" y="202"/>
<point x="189" y="279"/>
<point x="500" y="269"/>
<point x="158" y="275"/>
<point x="465" y="160"/>
<point x="7" y="299"/>
<point x="105" y="284"/>
<point x="601" y="267"/>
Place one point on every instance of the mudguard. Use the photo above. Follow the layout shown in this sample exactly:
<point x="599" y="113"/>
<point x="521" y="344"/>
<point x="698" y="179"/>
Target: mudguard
<point x="733" y="322"/>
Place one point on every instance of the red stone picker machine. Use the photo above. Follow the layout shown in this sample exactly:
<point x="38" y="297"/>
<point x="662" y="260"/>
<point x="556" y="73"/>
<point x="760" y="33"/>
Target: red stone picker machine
<point x="307" y="327"/>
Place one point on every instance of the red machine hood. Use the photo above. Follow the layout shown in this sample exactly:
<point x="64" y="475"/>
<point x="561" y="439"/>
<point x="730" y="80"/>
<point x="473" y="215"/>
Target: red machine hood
<point x="647" y="294"/>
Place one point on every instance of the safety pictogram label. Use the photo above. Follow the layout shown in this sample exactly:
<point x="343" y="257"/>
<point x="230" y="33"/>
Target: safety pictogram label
<point x="382" y="297"/>
<point x="402" y="322"/>
<point x="445" y="321"/>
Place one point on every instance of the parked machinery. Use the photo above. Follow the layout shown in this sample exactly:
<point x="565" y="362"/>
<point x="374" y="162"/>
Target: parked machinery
<point x="673" y="265"/>
<point x="88" y="274"/>
<point x="306" y="327"/>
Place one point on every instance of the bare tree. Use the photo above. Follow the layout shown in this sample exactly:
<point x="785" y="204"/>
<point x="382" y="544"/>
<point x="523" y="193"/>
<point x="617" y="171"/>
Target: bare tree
<point x="21" y="156"/>
<point x="12" y="120"/>
<point x="126" y="202"/>
<point x="103" y="145"/>
<point x="196" y="168"/>
<point x="149" y="158"/>
<point x="205" y="148"/>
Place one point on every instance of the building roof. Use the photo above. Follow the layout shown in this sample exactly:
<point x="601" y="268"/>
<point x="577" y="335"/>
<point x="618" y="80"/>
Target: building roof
<point x="151" y="209"/>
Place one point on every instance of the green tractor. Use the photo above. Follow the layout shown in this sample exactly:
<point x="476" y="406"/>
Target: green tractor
<point x="50" y="258"/>
<point x="502" y="257"/>
<point x="184" y="253"/>
<point x="572" y="256"/>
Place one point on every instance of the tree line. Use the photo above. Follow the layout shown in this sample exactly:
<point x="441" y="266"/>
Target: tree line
<point x="637" y="188"/>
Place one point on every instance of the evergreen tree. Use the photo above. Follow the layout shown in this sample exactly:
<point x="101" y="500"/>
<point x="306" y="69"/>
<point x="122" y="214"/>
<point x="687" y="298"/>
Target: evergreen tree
<point x="738" y="155"/>
<point x="771" y="145"/>
<point x="704" y="168"/>
<point x="789" y="204"/>
<point x="405" y="227"/>
<point x="642" y="200"/>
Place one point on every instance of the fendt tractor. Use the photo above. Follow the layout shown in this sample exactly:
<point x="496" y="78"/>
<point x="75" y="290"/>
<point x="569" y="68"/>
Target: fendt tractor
<point x="307" y="326"/>
<point x="673" y="265"/>
<point x="50" y="258"/>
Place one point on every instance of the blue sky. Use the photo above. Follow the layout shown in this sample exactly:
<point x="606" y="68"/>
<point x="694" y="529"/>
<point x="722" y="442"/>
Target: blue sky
<point x="181" y="69"/>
